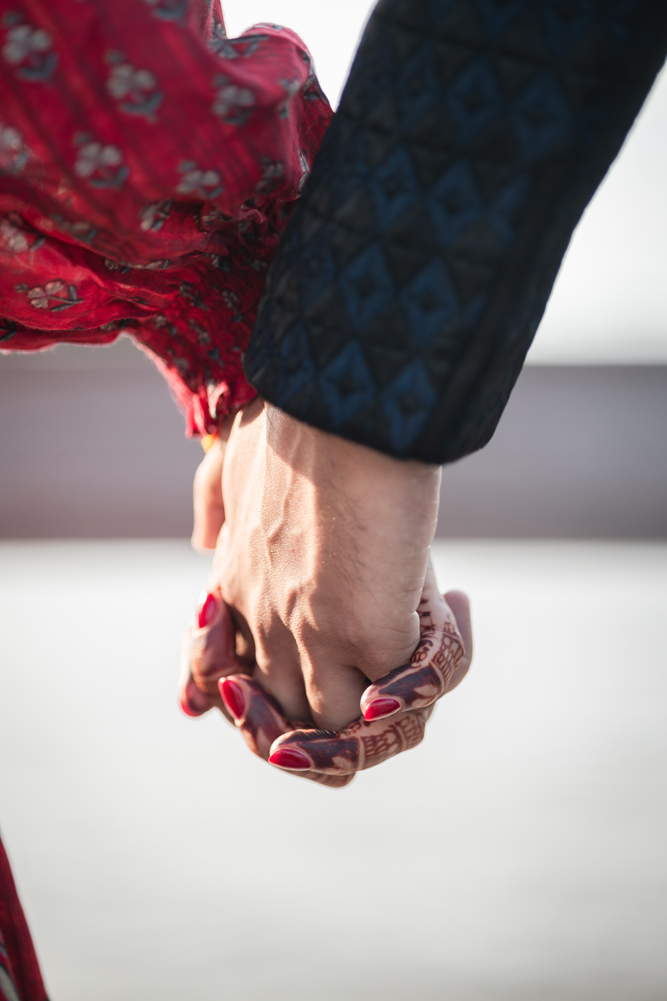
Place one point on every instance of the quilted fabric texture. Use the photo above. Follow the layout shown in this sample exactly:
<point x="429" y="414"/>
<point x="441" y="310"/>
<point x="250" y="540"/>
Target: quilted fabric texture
<point x="414" y="273"/>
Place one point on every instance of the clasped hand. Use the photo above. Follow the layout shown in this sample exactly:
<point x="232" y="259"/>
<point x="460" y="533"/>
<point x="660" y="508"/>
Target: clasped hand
<point x="323" y="635"/>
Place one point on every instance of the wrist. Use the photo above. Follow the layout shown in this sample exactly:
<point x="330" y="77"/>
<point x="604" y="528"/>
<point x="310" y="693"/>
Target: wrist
<point x="380" y="490"/>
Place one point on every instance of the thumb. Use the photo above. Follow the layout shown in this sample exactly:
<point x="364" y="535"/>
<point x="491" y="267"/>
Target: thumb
<point x="207" y="503"/>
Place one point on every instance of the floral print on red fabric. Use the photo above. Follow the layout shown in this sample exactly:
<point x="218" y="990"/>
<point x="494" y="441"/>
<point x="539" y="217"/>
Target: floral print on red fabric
<point x="305" y="168"/>
<point x="213" y="219"/>
<point x="136" y="90"/>
<point x="291" y="87"/>
<point x="234" y="48"/>
<point x="79" y="230"/>
<point x="16" y="236"/>
<point x="153" y="217"/>
<point x="179" y="364"/>
<point x="203" y="336"/>
<point x="102" y="166"/>
<point x="193" y="295"/>
<point x="199" y="183"/>
<point x="125" y="267"/>
<point x="7" y="330"/>
<point x="12" y="239"/>
<point x="220" y="262"/>
<point x="162" y="323"/>
<point x="29" y="49"/>
<point x="121" y="266"/>
<point x="232" y="302"/>
<point x="55" y="295"/>
<point x="311" y="89"/>
<point x="168" y="10"/>
<point x="125" y="212"/>
<point x="273" y="172"/>
<point x="233" y="103"/>
<point x="14" y="154"/>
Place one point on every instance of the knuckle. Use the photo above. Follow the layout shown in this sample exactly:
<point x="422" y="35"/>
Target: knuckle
<point x="201" y="480"/>
<point x="376" y="661"/>
<point x="379" y="654"/>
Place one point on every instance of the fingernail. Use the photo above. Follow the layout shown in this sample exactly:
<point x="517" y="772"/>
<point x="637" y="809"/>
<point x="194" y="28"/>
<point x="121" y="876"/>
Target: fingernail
<point x="187" y="709"/>
<point x="194" y="702"/>
<point x="381" y="707"/>
<point x="233" y="696"/>
<point x="289" y="757"/>
<point x="208" y="609"/>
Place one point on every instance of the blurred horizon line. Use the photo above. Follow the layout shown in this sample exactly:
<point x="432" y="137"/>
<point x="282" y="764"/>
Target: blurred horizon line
<point x="98" y="451"/>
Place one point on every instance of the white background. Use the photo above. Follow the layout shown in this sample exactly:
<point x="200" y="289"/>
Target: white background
<point x="518" y="854"/>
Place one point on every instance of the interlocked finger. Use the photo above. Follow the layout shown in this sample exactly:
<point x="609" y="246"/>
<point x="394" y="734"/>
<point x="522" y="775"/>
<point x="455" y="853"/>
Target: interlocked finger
<point x="261" y="721"/>
<point x="208" y="654"/>
<point x="437" y="665"/>
<point x="208" y="659"/>
<point x="345" y="752"/>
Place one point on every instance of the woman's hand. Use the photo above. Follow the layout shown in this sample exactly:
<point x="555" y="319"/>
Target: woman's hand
<point x="438" y="665"/>
<point x="208" y="657"/>
<point x="213" y="675"/>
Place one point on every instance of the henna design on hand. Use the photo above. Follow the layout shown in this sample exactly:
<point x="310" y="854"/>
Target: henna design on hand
<point x="337" y="757"/>
<point x="359" y="746"/>
<point x="208" y="654"/>
<point x="426" y="678"/>
<point x="263" y="722"/>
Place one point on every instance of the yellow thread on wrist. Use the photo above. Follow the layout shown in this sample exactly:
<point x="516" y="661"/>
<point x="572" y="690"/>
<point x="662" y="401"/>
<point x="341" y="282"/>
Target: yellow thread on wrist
<point x="208" y="440"/>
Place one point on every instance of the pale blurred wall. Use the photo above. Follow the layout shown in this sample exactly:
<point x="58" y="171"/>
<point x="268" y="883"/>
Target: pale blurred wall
<point x="92" y="446"/>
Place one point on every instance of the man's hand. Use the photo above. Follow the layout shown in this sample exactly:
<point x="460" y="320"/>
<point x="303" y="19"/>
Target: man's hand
<point x="322" y="559"/>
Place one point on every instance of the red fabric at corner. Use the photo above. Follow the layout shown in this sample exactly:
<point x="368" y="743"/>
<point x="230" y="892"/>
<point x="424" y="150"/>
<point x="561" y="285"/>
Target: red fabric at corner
<point x="18" y="963"/>
<point x="148" y="166"/>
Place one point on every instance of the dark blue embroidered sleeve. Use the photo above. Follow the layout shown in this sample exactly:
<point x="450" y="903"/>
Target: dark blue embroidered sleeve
<point x="413" y="275"/>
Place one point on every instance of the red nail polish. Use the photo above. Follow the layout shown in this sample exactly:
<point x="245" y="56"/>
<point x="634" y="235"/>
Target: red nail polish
<point x="187" y="709"/>
<point x="194" y="702"/>
<point x="290" y="757"/>
<point x="208" y="609"/>
<point x="233" y="696"/>
<point x="379" y="708"/>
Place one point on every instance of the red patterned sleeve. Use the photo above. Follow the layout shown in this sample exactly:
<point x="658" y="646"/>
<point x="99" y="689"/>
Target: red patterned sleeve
<point x="19" y="970"/>
<point x="148" y="165"/>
